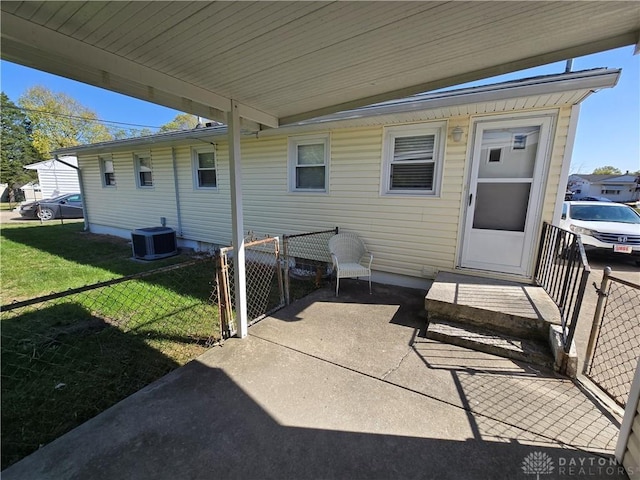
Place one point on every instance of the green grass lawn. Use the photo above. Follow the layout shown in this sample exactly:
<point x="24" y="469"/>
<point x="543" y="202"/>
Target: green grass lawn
<point x="67" y="359"/>
<point x="37" y="259"/>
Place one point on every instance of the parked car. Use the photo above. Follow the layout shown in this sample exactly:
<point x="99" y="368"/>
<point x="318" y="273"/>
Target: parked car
<point x="594" y="199"/>
<point x="63" y="206"/>
<point x="601" y="225"/>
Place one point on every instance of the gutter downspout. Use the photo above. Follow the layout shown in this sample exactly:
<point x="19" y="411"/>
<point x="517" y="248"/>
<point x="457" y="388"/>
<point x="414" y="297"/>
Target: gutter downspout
<point x="566" y="163"/>
<point x="177" y="190"/>
<point x="85" y="215"/>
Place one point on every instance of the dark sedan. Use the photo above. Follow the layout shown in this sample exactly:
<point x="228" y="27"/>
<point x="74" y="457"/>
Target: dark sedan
<point x="63" y="206"/>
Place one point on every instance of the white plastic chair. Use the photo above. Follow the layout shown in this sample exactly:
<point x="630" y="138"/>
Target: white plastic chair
<point x="349" y="256"/>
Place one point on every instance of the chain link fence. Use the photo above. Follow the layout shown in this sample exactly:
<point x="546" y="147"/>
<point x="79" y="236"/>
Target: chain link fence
<point x="307" y="262"/>
<point x="614" y="345"/>
<point x="265" y="289"/>
<point x="68" y="356"/>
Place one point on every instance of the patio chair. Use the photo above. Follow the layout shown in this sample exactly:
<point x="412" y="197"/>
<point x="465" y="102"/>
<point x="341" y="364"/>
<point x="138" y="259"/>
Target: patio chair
<point x="349" y="256"/>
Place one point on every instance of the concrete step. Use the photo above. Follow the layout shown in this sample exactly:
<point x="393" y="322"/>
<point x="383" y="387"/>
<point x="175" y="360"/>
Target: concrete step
<point x="515" y="309"/>
<point x="490" y="341"/>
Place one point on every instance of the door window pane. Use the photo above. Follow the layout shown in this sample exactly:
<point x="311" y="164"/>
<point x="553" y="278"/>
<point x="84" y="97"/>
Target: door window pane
<point x="509" y="152"/>
<point x="501" y="206"/>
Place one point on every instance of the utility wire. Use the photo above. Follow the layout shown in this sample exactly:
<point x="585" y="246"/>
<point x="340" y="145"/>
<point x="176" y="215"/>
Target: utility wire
<point x="97" y="120"/>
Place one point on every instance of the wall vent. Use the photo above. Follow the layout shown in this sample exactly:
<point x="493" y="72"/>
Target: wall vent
<point x="152" y="243"/>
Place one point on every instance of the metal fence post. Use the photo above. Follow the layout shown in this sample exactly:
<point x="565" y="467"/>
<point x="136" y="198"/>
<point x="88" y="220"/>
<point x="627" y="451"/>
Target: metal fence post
<point x="285" y="259"/>
<point x="576" y="309"/>
<point x="278" y="268"/>
<point x="597" y="317"/>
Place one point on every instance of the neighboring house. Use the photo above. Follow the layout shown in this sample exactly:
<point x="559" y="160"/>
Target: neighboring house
<point x="459" y="180"/>
<point x="57" y="177"/>
<point x="31" y="191"/>
<point x="619" y="188"/>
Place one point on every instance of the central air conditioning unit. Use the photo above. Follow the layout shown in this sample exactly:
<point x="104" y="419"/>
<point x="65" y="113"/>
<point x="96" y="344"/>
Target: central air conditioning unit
<point x="152" y="243"/>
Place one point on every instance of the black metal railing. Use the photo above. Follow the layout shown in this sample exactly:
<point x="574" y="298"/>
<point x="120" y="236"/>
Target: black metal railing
<point x="563" y="271"/>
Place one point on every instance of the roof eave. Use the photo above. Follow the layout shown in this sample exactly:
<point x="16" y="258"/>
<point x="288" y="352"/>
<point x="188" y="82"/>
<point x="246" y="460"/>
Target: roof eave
<point x="589" y="81"/>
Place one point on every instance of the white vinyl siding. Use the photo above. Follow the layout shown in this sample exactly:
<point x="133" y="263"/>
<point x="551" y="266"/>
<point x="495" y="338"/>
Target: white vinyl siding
<point x="57" y="178"/>
<point x="413" y="157"/>
<point x="205" y="212"/>
<point x="127" y="207"/>
<point x="387" y="223"/>
<point x="631" y="459"/>
<point x="309" y="163"/>
<point x="204" y="168"/>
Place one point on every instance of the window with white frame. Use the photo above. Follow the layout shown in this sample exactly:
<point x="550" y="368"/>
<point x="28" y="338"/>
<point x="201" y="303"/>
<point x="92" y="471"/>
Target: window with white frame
<point x="107" y="171"/>
<point x="413" y="158"/>
<point x="204" y="168"/>
<point x="309" y="163"/>
<point x="144" y="169"/>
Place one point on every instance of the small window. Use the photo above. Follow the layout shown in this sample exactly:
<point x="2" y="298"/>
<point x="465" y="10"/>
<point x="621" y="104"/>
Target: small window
<point x="495" y="155"/>
<point x="108" y="174"/>
<point x="204" y="167"/>
<point x="144" y="170"/>
<point x="519" y="141"/>
<point x="309" y="161"/>
<point x="413" y="159"/>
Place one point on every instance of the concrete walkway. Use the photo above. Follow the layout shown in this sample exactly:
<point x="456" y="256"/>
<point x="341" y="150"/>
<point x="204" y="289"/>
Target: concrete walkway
<point x="341" y="388"/>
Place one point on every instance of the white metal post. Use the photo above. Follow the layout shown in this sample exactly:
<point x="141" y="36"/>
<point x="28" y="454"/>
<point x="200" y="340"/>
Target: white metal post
<point x="237" y="221"/>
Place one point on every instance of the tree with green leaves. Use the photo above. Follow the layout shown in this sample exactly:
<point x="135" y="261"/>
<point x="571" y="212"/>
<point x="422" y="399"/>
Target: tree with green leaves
<point x="182" y="121"/>
<point x="607" y="170"/>
<point x="17" y="147"/>
<point x="121" y="133"/>
<point x="60" y="121"/>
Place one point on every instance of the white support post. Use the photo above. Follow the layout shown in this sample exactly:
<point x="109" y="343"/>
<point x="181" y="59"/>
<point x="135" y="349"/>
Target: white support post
<point x="237" y="221"/>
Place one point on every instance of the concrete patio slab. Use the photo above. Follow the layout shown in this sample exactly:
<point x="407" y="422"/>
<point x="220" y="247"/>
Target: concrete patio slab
<point x="340" y="388"/>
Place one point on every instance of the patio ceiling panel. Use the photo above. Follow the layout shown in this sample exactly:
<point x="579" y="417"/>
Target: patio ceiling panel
<point x="287" y="61"/>
<point x="226" y="42"/>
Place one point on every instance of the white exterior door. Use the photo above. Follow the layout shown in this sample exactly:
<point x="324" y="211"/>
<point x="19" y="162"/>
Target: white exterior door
<point x="504" y="198"/>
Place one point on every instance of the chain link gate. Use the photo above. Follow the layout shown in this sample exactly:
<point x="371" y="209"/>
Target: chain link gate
<point x="306" y="260"/>
<point x="265" y="289"/>
<point x="614" y="344"/>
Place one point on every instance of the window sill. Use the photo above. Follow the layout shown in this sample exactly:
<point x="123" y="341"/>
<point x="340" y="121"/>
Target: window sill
<point x="404" y="194"/>
<point x="308" y="192"/>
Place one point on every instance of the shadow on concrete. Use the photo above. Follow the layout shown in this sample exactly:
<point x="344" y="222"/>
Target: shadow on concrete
<point x="503" y="398"/>
<point x="506" y="399"/>
<point x="200" y="424"/>
<point x="407" y="302"/>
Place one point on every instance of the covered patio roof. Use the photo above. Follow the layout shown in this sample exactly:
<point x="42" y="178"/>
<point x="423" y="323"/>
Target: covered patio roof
<point x="283" y="62"/>
<point x="266" y="64"/>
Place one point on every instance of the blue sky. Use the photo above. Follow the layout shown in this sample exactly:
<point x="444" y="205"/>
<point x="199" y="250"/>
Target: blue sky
<point x="608" y="130"/>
